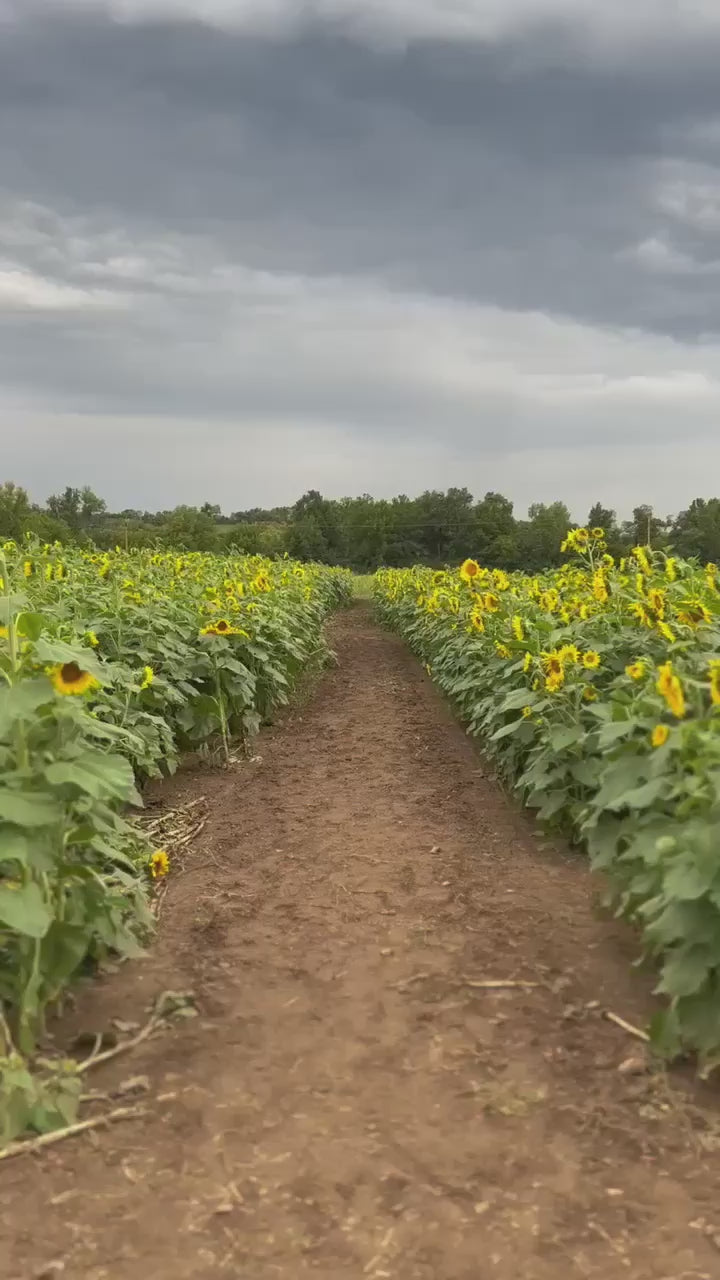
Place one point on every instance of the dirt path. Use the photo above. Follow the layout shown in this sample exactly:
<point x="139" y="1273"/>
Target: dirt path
<point x="348" y="1104"/>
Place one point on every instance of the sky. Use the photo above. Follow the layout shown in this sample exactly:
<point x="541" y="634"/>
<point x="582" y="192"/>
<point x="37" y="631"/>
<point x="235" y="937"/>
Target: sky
<point x="251" y="247"/>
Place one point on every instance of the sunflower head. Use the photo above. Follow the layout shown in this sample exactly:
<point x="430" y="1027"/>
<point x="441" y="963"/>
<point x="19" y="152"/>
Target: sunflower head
<point x="660" y="735"/>
<point x="159" y="864"/>
<point x="635" y="670"/>
<point x="148" y="675"/>
<point x="69" y="678"/>
<point x="469" y="570"/>
<point x="591" y="660"/>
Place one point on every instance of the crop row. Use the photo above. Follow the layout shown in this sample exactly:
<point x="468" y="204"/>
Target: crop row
<point x="596" y="690"/>
<point x="111" y="665"/>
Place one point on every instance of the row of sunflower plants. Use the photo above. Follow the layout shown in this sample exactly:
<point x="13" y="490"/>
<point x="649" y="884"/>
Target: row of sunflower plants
<point x="111" y="666"/>
<point x="595" y="688"/>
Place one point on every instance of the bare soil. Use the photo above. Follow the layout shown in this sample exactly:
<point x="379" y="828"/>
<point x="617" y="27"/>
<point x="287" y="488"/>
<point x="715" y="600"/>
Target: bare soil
<point x="347" y="1104"/>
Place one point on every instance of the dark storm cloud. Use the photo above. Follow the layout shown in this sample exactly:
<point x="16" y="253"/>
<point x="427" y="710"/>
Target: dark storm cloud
<point x="498" y="171"/>
<point x="388" y="238"/>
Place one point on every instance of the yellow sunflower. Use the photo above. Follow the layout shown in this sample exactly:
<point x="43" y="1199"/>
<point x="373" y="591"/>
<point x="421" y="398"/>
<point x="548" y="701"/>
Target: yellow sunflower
<point x="591" y="660"/>
<point x="670" y="687"/>
<point x="660" y="735"/>
<point x="635" y="670"/>
<point x="469" y="569"/>
<point x="220" y="627"/>
<point x="69" y="678"/>
<point x="148" y="676"/>
<point x="159" y="864"/>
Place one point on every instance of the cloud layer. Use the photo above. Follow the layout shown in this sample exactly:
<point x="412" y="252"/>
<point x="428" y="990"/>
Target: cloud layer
<point x="246" y="249"/>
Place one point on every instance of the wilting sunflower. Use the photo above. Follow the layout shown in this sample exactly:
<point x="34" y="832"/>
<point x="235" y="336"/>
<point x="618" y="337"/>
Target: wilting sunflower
<point x="469" y="569"/>
<point x="517" y="627"/>
<point x="502" y="651"/>
<point x="69" y="678"/>
<point x="660" y="735"/>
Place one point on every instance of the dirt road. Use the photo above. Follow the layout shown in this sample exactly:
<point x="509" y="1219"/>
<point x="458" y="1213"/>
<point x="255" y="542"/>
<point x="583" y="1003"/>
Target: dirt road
<point x="351" y="1102"/>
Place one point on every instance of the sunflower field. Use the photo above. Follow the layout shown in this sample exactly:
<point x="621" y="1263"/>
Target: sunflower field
<point x="111" y="665"/>
<point x="595" y="688"/>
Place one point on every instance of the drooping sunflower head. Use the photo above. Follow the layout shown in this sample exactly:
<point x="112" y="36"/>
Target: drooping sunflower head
<point x="148" y="675"/>
<point x="68" y="678"/>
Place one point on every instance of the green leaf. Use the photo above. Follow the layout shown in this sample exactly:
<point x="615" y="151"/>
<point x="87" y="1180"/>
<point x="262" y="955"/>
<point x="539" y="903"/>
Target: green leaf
<point x="97" y="774"/>
<point x="30" y="625"/>
<point x="28" y="808"/>
<point x="506" y="730"/>
<point x="24" y="909"/>
<point x="685" y="882"/>
<point x="13" y="846"/>
<point x="21" y="702"/>
<point x="56" y="651"/>
<point x="685" y="971"/>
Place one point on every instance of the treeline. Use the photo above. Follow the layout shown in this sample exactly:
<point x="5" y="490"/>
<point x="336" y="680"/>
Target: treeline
<point x="362" y="533"/>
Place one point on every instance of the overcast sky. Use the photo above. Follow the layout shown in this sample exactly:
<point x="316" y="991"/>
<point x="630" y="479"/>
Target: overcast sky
<point x="249" y="247"/>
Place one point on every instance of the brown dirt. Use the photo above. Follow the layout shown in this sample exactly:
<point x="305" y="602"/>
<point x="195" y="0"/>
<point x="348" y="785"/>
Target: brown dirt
<point x="347" y="1104"/>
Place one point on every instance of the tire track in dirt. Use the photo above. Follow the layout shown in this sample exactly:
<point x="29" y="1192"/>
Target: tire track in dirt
<point x="348" y="1104"/>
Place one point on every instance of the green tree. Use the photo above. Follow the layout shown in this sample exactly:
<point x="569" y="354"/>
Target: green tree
<point x="15" y="510"/>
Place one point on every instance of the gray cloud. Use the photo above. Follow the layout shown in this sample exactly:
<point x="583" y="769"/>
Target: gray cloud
<point x="505" y="246"/>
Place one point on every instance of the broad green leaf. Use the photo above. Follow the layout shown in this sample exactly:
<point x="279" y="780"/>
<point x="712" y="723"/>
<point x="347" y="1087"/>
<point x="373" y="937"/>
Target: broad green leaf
<point x="25" y="910"/>
<point x="28" y="808"/>
<point x="21" y="702"/>
<point x="97" y="774"/>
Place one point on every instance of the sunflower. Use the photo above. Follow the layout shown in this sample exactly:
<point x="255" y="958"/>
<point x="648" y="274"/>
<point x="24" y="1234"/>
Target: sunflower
<point x="148" y="675"/>
<point x="597" y="533"/>
<point x="159" y="864"/>
<point x="438" y="578"/>
<point x="694" y="612"/>
<point x="589" y="693"/>
<point x="666" y="631"/>
<point x="527" y="712"/>
<point x="502" y="651"/>
<point x="553" y="664"/>
<point x="469" y="569"/>
<point x="4" y="633"/>
<point x="591" y="660"/>
<point x="635" y="670"/>
<point x="527" y="662"/>
<point x="656" y="600"/>
<point x="670" y="687"/>
<point x="517" y="627"/>
<point x="660" y="735"/>
<point x="554" y="681"/>
<point x="569" y="653"/>
<point x="715" y="682"/>
<point x="491" y="602"/>
<point x="220" y="627"/>
<point x="476" y="622"/>
<point x="69" y="678"/>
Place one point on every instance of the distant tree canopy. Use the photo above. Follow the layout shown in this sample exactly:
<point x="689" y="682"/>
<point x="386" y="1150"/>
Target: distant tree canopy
<point x="438" y="527"/>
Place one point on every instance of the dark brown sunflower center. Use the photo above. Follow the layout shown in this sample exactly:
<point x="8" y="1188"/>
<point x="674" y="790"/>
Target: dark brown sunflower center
<point x="223" y="626"/>
<point x="71" y="672"/>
